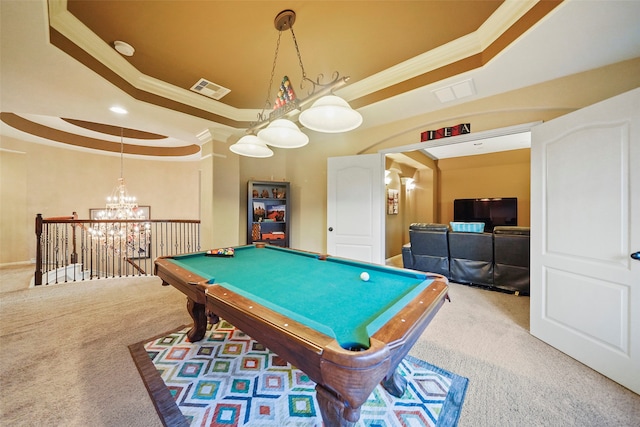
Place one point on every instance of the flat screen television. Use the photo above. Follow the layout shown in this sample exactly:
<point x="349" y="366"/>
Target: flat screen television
<point x="498" y="211"/>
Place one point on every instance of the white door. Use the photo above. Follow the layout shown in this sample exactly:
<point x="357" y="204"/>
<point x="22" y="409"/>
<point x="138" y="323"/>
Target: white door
<point x="355" y="207"/>
<point x="585" y="225"/>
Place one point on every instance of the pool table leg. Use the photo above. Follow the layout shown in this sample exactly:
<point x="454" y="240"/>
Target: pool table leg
<point x="395" y="384"/>
<point x="199" y="316"/>
<point x="334" y="411"/>
<point x="337" y="413"/>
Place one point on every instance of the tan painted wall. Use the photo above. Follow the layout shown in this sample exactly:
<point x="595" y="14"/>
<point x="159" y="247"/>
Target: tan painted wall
<point x="424" y="198"/>
<point x="14" y="218"/>
<point x="416" y="205"/>
<point x="225" y="222"/>
<point x="395" y="223"/>
<point x="206" y="185"/>
<point x="505" y="174"/>
<point x="57" y="181"/>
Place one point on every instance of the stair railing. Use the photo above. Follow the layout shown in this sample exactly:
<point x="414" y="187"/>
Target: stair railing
<point x="69" y="249"/>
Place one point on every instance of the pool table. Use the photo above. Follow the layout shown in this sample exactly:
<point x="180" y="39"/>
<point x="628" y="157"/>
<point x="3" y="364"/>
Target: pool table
<point x="347" y="333"/>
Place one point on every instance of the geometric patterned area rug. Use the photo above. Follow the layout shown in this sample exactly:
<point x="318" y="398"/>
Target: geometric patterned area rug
<point x="229" y="379"/>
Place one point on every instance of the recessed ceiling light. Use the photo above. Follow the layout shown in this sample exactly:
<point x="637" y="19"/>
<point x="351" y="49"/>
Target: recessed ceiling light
<point x="124" y="48"/>
<point x="118" y="110"/>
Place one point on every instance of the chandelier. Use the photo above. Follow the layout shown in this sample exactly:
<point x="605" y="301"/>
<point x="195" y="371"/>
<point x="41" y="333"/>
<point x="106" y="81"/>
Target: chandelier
<point x="122" y="229"/>
<point x="321" y="111"/>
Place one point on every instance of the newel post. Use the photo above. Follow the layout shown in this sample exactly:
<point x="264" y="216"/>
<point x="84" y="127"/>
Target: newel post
<point x="38" y="274"/>
<point x="74" y="253"/>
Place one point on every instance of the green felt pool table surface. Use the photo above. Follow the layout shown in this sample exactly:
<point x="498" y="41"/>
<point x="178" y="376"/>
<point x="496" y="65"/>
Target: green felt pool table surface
<point x="326" y="295"/>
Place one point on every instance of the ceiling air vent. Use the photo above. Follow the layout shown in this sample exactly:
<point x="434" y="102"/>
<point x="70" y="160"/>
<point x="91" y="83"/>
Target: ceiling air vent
<point x="455" y="91"/>
<point x="212" y="90"/>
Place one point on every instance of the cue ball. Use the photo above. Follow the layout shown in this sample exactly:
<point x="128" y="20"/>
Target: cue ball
<point x="364" y="276"/>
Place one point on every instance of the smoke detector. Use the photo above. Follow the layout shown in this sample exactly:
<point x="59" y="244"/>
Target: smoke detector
<point x="124" y="48"/>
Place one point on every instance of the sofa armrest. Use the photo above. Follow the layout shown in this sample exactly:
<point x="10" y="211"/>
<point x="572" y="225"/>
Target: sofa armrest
<point x="511" y="230"/>
<point x="407" y="256"/>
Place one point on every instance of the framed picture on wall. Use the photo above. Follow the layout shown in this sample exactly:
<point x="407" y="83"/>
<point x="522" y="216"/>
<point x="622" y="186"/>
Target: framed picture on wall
<point x="96" y="213"/>
<point x="99" y="213"/>
<point x="392" y="201"/>
<point x="139" y="248"/>
<point x="145" y="211"/>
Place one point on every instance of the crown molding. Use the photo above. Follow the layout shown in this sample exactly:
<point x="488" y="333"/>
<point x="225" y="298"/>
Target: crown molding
<point x="463" y="47"/>
<point x="502" y="19"/>
<point x="509" y="12"/>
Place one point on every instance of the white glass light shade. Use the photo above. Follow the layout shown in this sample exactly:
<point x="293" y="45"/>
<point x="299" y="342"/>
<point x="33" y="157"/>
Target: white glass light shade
<point x="251" y="146"/>
<point x="330" y="114"/>
<point x="283" y="133"/>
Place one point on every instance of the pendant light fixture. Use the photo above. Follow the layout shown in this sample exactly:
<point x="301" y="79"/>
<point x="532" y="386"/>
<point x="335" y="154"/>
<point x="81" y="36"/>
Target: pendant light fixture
<point x="251" y="146"/>
<point x="326" y="112"/>
<point x="330" y="114"/>
<point x="283" y="133"/>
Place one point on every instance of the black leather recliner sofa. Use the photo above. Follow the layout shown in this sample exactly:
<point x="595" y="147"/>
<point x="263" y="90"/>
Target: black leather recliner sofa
<point x="497" y="260"/>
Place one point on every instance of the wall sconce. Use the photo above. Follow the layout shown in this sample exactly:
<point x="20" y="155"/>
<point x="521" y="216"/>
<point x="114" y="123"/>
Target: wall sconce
<point x="408" y="183"/>
<point x="387" y="178"/>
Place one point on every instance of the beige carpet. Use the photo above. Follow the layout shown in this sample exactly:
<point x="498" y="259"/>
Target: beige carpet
<point x="64" y="359"/>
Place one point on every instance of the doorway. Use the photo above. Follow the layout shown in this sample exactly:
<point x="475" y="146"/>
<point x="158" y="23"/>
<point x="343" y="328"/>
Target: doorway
<point x="437" y="169"/>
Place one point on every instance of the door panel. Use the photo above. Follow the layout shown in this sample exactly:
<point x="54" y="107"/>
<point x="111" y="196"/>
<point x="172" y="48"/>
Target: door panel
<point x="603" y="159"/>
<point x="585" y="210"/>
<point x="588" y="296"/>
<point x="355" y="207"/>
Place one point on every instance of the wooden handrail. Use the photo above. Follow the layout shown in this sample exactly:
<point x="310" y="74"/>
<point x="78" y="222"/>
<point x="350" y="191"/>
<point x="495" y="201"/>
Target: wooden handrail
<point x="136" y="266"/>
<point x="61" y="218"/>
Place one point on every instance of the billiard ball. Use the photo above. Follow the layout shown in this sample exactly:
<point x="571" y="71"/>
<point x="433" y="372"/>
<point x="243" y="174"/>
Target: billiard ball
<point x="364" y="276"/>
